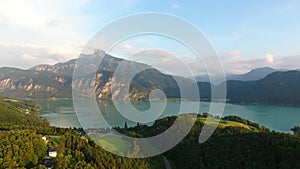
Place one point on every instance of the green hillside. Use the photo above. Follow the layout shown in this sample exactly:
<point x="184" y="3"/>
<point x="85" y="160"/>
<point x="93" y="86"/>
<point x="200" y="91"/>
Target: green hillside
<point x="20" y="113"/>
<point x="280" y="88"/>
<point x="236" y="143"/>
<point x="22" y="146"/>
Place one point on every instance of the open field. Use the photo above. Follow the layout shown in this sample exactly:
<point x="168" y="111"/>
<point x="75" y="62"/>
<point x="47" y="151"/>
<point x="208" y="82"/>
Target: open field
<point x="225" y="123"/>
<point x="114" y="143"/>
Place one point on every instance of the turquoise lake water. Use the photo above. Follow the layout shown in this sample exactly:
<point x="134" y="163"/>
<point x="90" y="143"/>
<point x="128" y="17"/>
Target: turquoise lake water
<point x="62" y="113"/>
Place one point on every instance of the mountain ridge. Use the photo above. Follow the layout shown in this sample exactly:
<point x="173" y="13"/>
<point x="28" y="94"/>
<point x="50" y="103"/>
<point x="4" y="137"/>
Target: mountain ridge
<point x="254" y="74"/>
<point x="47" y="81"/>
<point x="55" y="81"/>
<point x="277" y="88"/>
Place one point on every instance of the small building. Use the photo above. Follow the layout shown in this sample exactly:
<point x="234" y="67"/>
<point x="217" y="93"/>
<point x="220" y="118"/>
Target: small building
<point x="52" y="152"/>
<point x="27" y="111"/>
<point x="45" y="139"/>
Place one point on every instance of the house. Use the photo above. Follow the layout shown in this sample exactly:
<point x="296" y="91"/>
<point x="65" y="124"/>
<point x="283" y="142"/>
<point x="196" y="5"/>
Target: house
<point x="27" y="111"/>
<point x="52" y="152"/>
<point x="44" y="138"/>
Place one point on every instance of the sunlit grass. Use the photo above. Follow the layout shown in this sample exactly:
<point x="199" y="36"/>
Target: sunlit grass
<point x="114" y="143"/>
<point x="226" y="123"/>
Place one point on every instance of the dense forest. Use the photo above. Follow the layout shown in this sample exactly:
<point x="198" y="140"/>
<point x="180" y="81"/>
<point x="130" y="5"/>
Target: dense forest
<point x="237" y="143"/>
<point x="22" y="146"/>
<point x="237" y="147"/>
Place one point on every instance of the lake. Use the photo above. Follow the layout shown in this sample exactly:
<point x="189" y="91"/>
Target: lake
<point x="61" y="113"/>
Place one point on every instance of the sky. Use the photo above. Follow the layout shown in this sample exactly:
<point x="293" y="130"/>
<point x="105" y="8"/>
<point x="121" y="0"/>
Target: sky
<point x="246" y="34"/>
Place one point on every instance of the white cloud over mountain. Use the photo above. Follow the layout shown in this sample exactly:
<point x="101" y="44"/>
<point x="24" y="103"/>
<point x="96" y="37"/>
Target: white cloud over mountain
<point x="26" y="56"/>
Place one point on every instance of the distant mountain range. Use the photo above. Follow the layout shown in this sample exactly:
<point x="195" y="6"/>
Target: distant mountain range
<point x="280" y="88"/>
<point x="254" y="74"/>
<point x="261" y="86"/>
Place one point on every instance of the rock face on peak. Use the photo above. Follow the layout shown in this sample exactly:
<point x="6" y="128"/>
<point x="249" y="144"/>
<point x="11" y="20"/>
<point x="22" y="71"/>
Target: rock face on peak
<point x="59" y="68"/>
<point x="40" y="83"/>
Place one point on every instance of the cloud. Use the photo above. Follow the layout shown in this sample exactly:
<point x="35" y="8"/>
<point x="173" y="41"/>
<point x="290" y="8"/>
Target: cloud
<point x="36" y="14"/>
<point x="175" y="6"/>
<point x="35" y="32"/>
<point x="235" y="54"/>
<point x="269" y="58"/>
<point x="169" y="62"/>
<point x="233" y="62"/>
<point x="51" y="31"/>
<point x="287" y="62"/>
<point x="47" y="23"/>
<point x="26" y="56"/>
<point x="244" y="64"/>
<point x="163" y="60"/>
<point x="126" y="46"/>
<point x="38" y="32"/>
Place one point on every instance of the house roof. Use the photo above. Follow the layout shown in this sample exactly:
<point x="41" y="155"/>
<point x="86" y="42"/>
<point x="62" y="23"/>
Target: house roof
<point x="52" y="149"/>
